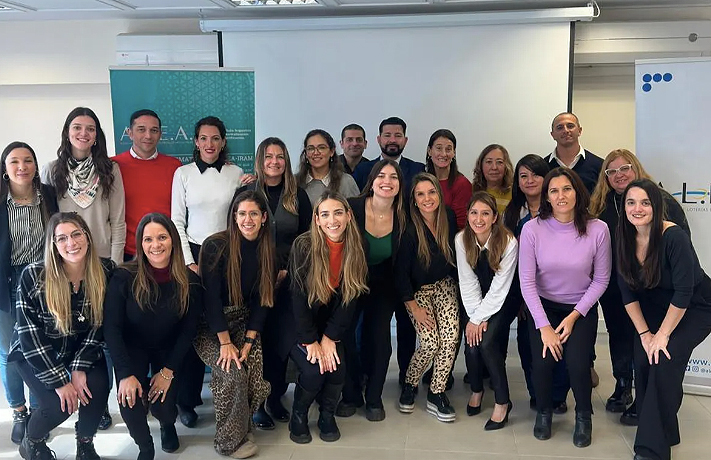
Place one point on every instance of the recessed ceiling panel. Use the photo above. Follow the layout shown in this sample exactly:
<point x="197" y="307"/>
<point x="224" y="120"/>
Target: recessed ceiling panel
<point x="381" y="2"/>
<point x="67" y="5"/>
<point x="172" y="4"/>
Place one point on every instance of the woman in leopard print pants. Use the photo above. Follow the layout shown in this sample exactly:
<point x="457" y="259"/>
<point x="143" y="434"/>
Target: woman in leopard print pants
<point x="238" y="271"/>
<point x="425" y="272"/>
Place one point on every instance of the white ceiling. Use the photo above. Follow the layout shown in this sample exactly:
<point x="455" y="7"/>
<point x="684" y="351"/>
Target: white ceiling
<point x="216" y="9"/>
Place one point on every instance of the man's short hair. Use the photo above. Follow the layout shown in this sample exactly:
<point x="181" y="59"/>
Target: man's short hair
<point x="142" y="112"/>
<point x="392" y="121"/>
<point x="352" y="126"/>
<point x="577" y="121"/>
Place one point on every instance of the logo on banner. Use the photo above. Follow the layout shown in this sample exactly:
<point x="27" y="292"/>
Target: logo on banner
<point x="694" y="199"/>
<point x="648" y="79"/>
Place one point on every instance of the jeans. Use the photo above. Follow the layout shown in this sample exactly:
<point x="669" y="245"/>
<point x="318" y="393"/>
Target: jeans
<point x="14" y="386"/>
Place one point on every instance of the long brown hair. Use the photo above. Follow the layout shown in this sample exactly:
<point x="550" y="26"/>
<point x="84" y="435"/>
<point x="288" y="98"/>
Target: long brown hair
<point x="312" y="273"/>
<point x="230" y="240"/>
<point x="57" y="285"/>
<point x="498" y="241"/>
<point x="290" y="200"/>
<point x="99" y="155"/>
<point x="145" y="287"/>
<point x="602" y="188"/>
<point x="479" y="181"/>
<point x="441" y="223"/>
<point x="399" y="201"/>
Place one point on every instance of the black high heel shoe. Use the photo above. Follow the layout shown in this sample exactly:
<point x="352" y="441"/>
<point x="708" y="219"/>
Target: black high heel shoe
<point x="474" y="410"/>
<point x="492" y="425"/>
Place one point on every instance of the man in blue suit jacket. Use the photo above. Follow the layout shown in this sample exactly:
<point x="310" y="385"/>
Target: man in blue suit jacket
<point x="392" y="141"/>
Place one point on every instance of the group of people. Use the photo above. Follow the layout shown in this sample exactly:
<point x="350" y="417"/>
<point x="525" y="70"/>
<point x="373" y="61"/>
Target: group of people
<point x="140" y="268"/>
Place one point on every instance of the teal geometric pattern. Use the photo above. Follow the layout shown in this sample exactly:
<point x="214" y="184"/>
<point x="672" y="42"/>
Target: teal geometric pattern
<point x="181" y="98"/>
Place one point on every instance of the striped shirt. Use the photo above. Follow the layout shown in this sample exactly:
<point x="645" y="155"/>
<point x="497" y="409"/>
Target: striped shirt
<point x="26" y="231"/>
<point x="36" y="339"/>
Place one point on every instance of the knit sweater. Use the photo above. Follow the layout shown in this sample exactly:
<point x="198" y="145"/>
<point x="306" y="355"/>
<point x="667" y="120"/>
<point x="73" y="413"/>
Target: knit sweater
<point x="200" y="202"/>
<point x="147" y="186"/>
<point x="557" y="264"/>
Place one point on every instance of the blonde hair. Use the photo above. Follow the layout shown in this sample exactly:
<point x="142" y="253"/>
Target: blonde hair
<point x="57" y="285"/>
<point x="602" y="188"/>
<point x="498" y="241"/>
<point x="290" y="187"/>
<point x="312" y="274"/>
<point x="145" y="287"/>
<point x="441" y="223"/>
<point x="479" y="181"/>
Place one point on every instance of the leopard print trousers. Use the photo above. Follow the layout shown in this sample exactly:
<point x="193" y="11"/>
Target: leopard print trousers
<point x="440" y="343"/>
<point x="236" y="395"/>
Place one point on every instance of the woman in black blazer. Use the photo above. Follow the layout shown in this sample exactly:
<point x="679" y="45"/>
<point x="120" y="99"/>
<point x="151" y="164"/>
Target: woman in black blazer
<point x="380" y="215"/>
<point x="28" y="204"/>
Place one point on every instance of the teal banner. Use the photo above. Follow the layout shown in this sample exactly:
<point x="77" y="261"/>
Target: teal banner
<point x="181" y="98"/>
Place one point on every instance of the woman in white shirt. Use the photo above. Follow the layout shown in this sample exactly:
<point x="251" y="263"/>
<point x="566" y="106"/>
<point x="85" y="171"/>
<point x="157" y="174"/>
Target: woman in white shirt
<point x="486" y="262"/>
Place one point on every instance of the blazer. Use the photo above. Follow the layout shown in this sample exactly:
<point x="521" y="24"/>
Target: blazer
<point x="409" y="169"/>
<point x="49" y="196"/>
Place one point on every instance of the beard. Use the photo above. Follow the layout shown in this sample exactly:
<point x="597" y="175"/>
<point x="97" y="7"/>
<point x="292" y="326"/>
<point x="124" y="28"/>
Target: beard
<point x="391" y="150"/>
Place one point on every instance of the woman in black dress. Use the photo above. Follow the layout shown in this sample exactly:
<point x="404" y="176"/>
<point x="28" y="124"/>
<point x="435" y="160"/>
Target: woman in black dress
<point x="668" y="297"/>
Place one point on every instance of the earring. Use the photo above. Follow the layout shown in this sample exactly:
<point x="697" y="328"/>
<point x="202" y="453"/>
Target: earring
<point x="262" y="224"/>
<point x="94" y="143"/>
<point x="6" y="177"/>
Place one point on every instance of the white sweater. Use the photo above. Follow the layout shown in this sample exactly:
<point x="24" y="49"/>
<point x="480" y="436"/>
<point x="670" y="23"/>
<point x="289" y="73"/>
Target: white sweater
<point x="200" y="202"/>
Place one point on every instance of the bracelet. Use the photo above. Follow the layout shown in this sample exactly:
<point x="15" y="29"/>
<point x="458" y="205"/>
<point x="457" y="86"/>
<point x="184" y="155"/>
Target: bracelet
<point x="164" y="376"/>
<point x="225" y="344"/>
<point x="643" y="332"/>
<point x="248" y="339"/>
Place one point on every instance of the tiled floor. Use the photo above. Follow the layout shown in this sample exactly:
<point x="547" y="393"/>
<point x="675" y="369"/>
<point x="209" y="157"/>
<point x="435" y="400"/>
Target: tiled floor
<point x="417" y="436"/>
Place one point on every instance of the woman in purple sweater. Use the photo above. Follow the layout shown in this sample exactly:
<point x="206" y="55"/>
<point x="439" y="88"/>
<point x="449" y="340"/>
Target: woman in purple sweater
<point x="564" y="267"/>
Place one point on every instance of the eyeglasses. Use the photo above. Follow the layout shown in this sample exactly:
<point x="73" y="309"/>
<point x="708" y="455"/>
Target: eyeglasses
<point x="622" y="170"/>
<point x="322" y="148"/>
<point x="76" y="236"/>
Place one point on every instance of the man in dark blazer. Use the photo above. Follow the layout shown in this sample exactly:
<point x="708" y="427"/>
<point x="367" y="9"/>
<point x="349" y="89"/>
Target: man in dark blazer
<point x="392" y="141"/>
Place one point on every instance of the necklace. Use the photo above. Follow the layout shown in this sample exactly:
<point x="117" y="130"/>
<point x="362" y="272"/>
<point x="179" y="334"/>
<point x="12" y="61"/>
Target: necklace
<point x="372" y="209"/>
<point x="617" y="206"/>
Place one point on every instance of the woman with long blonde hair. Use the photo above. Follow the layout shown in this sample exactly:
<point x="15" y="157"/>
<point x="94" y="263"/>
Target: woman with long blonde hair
<point x="425" y="273"/>
<point x="329" y="270"/>
<point x="153" y="305"/>
<point x="238" y="269"/>
<point x="290" y="216"/>
<point x="58" y="337"/>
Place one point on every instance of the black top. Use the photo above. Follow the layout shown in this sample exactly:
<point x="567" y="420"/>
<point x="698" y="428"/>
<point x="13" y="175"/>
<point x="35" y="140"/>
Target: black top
<point x="346" y="168"/>
<point x="314" y="321"/>
<point x="49" y="199"/>
<point x="410" y="274"/>
<point x="156" y="327"/>
<point x="683" y="282"/>
<point x="213" y="268"/>
<point x="409" y="169"/>
<point x="588" y="168"/>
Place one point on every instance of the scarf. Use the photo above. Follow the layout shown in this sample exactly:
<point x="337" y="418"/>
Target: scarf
<point x="83" y="182"/>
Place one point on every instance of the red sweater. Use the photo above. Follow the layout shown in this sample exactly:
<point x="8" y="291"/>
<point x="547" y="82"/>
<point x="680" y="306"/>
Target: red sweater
<point x="147" y="185"/>
<point x="457" y="197"/>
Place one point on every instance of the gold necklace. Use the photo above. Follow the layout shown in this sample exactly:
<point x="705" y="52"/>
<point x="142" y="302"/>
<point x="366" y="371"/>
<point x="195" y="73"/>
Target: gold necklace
<point x="372" y="209"/>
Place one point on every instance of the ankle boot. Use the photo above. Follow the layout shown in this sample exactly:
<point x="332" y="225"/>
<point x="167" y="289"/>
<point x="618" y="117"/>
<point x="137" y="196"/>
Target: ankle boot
<point x="147" y="452"/>
<point x="299" y="423"/>
<point x="326" y="420"/>
<point x="31" y="449"/>
<point x="85" y="449"/>
<point x="542" y="428"/>
<point x="621" y="397"/>
<point x="582" y="436"/>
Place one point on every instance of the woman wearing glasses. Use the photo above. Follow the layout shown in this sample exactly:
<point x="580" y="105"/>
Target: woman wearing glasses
<point x="320" y="170"/>
<point x="493" y="173"/>
<point x="619" y="169"/>
<point x="58" y="340"/>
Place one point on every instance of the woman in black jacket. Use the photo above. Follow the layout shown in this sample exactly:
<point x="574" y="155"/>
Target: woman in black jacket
<point x="25" y="207"/>
<point x="151" y="313"/>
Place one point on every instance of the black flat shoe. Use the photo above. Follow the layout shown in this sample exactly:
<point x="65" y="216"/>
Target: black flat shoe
<point x="630" y="417"/>
<point x="262" y="420"/>
<point x="106" y="421"/>
<point x="188" y="416"/>
<point x="542" y="428"/>
<point x="492" y="425"/>
<point x="475" y="410"/>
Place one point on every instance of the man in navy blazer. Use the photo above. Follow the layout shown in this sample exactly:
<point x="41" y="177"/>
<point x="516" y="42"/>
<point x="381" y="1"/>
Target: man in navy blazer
<point x="392" y="141"/>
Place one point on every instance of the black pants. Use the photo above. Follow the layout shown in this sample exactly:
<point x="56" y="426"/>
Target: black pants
<point x="620" y="331"/>
<point x="659" y="388"/>
<point x="406" y="339"/>
<point x="561" y="382"/>
<point x="310" y="377"/>
<point x="489" y="352"/>
<point x="49" y="415"/>
<point x="193" y="369"/>
<point x="576" y="351"/>
<point x="352" y="391"/>
<point x="274" y="365"/>
<point x="149" y="363"/>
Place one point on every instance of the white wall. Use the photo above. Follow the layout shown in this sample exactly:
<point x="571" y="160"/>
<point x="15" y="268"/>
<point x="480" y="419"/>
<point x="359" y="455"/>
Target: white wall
<point x="53" y="66"/>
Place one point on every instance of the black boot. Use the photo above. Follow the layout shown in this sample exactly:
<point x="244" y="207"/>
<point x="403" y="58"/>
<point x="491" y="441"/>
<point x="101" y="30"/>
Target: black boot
<point x="147" y="452"/>
<point x="19" y="423"/>
<point x="582" y="436"/>
<point x="277" y="410"/>
<point x="262" y="420"/>
<point x="169" y="441"/>
<point x="85" y="449"/>
<point x="106" y="420"/>
<point x="629" y="416"/>
<point x="542" y="428"/>
<point x="621" y="397"/>
<point x="326" y="420"/>
<point x="35" y="450"/>
<point x="299" y="423"/>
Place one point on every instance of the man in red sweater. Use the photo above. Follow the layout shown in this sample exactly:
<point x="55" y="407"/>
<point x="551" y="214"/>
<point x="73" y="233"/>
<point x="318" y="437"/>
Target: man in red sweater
<point x="147" y="174"/>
